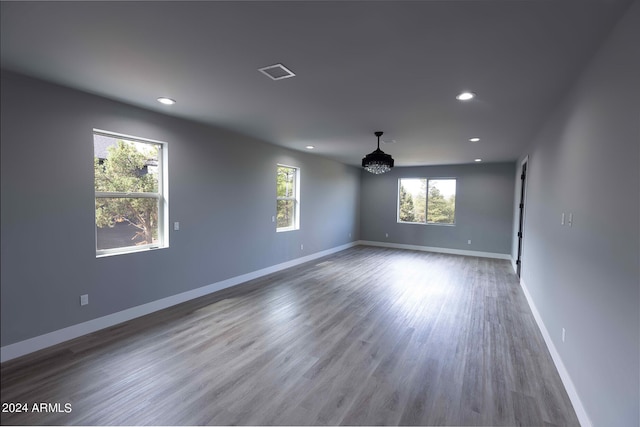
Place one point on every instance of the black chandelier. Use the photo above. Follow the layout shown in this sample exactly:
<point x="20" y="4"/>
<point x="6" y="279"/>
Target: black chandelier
<point x="377" y="162"/>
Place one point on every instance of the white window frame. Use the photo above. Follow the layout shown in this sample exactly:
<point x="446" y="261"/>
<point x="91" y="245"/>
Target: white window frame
<point x="295" y="199"/>
<point x="399" y="221"/>
<point x="161" y="196"/>
<point x="426" y="219"/>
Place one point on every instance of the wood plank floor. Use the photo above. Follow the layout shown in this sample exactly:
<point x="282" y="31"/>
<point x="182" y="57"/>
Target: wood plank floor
<point x="367" y="336"/>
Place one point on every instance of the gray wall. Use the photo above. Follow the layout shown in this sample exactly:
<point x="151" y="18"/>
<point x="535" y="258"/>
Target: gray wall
<point x="221" y="189"/>
<point x="585" y="278"/>
<point x="484" y="208"/>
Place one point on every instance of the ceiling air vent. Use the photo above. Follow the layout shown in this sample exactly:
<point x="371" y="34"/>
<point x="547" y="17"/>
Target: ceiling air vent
<point x="277" y="72"/>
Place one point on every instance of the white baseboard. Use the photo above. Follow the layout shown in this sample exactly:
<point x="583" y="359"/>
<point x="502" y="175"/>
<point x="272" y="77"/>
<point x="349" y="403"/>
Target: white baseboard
<point x="40" y="342"/>
<point x="581" y="413"/>
<point x="435" y="249"/>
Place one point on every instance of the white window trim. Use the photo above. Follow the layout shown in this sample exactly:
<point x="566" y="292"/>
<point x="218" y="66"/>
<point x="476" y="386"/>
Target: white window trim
<point x="440" y="224"/>
<point x="295" y="199"/>
<point x="162" y="195"/>
<point x="399" y="221"/>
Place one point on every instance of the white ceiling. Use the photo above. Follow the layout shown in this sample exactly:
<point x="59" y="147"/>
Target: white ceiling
<point x="361" y="66"/>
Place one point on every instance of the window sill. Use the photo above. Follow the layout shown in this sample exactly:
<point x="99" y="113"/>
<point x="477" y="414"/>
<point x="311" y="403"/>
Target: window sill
<point x="427" y="223"/>
<point x="114" y="252"/>
<point x="282" y="230"/>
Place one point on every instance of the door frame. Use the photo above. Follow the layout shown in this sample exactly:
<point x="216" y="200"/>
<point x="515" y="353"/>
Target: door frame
<point x="524" y="171"/>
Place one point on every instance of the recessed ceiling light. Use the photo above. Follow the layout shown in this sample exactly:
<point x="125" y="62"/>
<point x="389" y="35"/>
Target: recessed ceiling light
<point x="474" y="139"/>
<point x="465" y="96"/>
<point x="166" y="101"/>
<point x="477" y="160"/>
<point x="309" y="147"/>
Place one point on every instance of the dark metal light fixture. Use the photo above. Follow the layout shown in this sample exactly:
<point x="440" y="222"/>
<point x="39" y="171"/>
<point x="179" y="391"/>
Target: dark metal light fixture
<point x="377" y="162"/>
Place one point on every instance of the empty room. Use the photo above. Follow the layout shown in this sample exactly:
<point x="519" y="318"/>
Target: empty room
<point x="320" y="213"/>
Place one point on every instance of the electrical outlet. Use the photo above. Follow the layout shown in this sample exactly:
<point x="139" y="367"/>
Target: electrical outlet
<point x="301" y="247"/>
<point x="84" y="299"/>
<point x="570" y="222"/>
<point x="176" y="226"/>
<point x="273" y="219"/>
<point x="386" y="234"/>
<point x="469" y="242"/>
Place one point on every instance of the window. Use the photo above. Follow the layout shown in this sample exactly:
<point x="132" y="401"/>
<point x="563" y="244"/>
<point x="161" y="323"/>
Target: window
<point x="130" y="200"/>
<point x="427" y="201"/>
<point x="412" y="200"/>
<point x="288" y="198"/>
